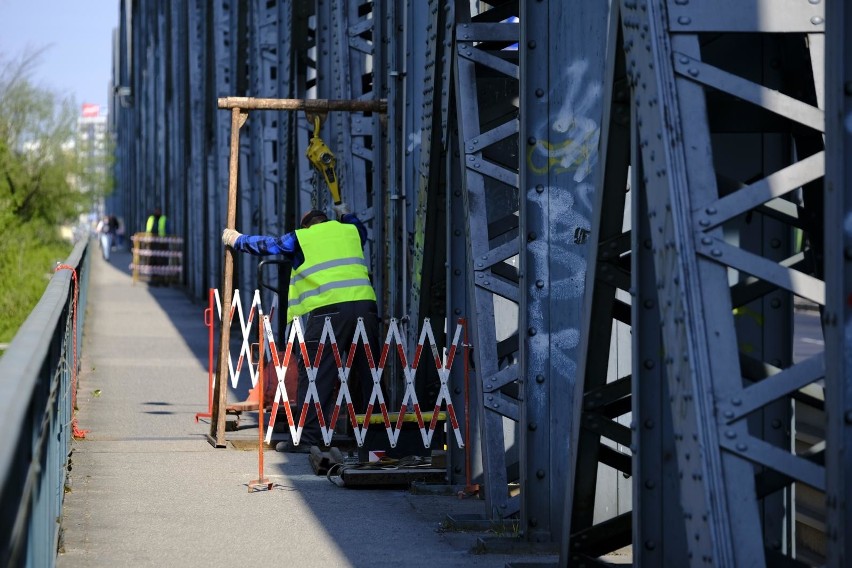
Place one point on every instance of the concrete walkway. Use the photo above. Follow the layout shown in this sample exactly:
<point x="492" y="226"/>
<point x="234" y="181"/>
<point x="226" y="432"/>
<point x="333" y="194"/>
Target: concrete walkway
<point x="147" y="489"/>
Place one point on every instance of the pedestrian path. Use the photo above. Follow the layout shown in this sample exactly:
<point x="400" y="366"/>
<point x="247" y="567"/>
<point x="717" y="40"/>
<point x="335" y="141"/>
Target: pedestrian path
<point x="147" y="489"/>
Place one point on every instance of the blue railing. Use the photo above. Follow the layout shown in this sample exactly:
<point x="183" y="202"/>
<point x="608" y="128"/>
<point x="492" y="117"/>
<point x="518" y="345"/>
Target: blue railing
<point x="36" y="373"/>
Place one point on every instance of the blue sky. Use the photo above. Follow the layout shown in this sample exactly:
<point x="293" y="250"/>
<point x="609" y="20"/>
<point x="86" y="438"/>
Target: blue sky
<point x="76" y="36"/>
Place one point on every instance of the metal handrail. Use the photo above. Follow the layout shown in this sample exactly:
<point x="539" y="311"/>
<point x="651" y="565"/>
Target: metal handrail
<point x="35" y="402"/>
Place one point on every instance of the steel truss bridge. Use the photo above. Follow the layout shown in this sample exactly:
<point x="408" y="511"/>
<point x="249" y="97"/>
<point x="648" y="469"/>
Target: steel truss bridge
<point x="628" y="202"/>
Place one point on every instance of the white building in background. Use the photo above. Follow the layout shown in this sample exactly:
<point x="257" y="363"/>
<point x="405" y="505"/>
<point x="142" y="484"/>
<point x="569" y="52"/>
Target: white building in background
<point x="91" y="142"/>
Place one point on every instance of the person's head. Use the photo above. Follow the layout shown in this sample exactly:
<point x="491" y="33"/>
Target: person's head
<point x="313" y="217"/>
<point x="157" y="211"/>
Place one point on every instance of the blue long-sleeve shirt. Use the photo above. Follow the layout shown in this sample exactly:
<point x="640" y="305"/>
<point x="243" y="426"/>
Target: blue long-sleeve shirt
<point x="288" y="244"/>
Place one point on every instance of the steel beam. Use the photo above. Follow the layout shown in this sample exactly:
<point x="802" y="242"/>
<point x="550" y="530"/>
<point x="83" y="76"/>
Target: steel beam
<point x="837" y="317"/>
<point x="699" y="258"/>
<point x="561" y="114"/>
<point x="484" y="103"/>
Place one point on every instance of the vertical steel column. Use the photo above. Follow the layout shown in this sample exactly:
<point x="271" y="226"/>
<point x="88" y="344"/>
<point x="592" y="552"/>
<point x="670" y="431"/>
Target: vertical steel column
<point x="392" y="191"/>
<point x="312" y="49"/>
<point x="419" y="61"/>
<point x="837" y="318"/>
<point x="177" y="122"/>
<point x="562" y="102"/>
<point x="701" y="260"/>
<point x="245" y="70"/>
<point x="221" y="83"/>
<point x="486" y="75"/>
<point x="659" y="537"/>
<point x="161" y="139"/>
<point x="428" y="64"/>
<point x="197" y="247"/>
<point x="595" y="522"/>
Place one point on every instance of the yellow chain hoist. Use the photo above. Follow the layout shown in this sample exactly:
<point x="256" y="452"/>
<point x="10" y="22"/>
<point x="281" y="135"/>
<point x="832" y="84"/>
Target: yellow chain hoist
<point x="324" y="161"/>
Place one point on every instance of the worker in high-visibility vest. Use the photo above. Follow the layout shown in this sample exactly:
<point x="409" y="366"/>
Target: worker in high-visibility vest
<point x="156" y="223"/>
<point x="329" y="278"/>
<point x="156" y="227"/>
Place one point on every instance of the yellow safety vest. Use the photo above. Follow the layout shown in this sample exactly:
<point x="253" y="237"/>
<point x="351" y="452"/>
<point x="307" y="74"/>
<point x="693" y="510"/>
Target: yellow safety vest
<point x="161" y="225"/>
<point x="334" y="270"/>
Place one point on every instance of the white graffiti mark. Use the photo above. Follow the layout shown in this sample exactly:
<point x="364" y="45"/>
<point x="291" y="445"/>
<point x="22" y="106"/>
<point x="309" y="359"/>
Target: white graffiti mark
<point x="414" y="140"/>
<point x="584" y="192"/>
<point x="570" y="142"/>
<point x="553" y="258"/>
<point x="555" y="261"/>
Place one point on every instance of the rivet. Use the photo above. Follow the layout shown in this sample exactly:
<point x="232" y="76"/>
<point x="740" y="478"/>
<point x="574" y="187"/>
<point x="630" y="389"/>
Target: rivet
<point x="684" y="21"/>
<point x="531" y="236"/>
<point x="531" y="44"/>
<point x="816" y="20"/>
<point x="540" y="474"/>
<point x="539" y="188"/>
<point x="847" y="417"/>
<point x="531" y="331"/>
<point x="539" y="284"/>
<point x="531" y="141"/>
<point x="716" y="252"/>
<point x="649" y="364"/>
<point x="532" y="426"/>
<point x="741" y="447"/>
<point x="649" y="423"/>
<point x="539" y="379"/>
<point x="539" y="93"/>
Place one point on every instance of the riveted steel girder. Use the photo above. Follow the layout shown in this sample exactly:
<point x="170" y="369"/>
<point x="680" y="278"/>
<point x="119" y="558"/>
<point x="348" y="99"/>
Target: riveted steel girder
<point x="837" y="318"/>
<point x="561" y="119"/>
<point x="715" y="192"/>
<point x="486" y="89"/>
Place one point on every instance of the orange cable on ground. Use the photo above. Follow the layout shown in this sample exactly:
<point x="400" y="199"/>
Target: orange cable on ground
<point x="75" y="431"/>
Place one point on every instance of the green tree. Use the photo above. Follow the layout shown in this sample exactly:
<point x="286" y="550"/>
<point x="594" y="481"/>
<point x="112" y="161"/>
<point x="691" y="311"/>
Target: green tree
<point x="37" y="167"/>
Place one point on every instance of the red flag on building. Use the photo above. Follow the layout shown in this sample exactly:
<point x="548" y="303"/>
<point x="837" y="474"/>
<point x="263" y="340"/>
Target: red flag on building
<point x="91" y="110"/>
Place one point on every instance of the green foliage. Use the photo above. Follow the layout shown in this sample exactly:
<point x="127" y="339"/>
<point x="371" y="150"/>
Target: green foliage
<point x="28" y="256"/>
<point x="38" y="169"/>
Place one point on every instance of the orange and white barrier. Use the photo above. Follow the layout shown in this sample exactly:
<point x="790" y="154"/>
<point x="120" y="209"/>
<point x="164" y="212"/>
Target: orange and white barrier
<point x="443" y="360"/>
<point x="245" y="325"/>
<point x="443" y="365"/>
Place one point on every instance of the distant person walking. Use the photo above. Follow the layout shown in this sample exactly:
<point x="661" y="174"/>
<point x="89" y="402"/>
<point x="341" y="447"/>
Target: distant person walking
<point x="106" y="235"/>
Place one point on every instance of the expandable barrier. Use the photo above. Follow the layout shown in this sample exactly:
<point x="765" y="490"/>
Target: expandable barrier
<point x="410" y="405"/>
<point x="157" y="259"/>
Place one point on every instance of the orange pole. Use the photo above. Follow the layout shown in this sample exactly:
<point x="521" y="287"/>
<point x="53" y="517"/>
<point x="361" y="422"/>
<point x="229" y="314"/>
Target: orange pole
<point x="260" y="409"/>
<point x="260" y="481"/>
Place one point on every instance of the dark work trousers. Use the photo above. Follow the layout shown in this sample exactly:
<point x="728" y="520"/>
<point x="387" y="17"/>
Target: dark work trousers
<point x="344" y="321"/>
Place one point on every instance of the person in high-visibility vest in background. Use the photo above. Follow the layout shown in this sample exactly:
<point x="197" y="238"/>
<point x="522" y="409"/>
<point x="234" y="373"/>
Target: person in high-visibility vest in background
<point x="156" y="223"/>
<point x="156" y="227"/>
<point x="329" y="278"/>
